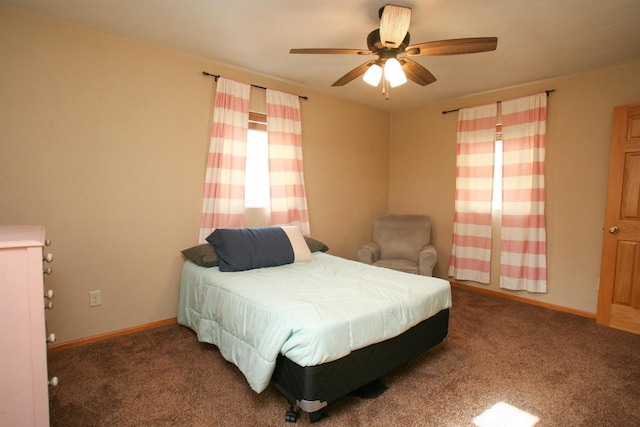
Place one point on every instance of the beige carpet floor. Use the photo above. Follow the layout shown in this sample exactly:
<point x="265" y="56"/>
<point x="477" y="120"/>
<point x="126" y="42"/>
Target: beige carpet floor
<point x="552" y="368"/>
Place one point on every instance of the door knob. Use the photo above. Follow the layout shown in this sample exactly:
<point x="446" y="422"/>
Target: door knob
<point x="613" y="229"/>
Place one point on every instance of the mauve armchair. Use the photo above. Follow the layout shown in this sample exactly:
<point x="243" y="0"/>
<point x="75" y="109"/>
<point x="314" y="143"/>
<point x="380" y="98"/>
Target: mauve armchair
<point x="401" y="242"/>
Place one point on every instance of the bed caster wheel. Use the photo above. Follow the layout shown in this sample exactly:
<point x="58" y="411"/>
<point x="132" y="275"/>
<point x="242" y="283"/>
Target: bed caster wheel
<point x="291" y="416"/>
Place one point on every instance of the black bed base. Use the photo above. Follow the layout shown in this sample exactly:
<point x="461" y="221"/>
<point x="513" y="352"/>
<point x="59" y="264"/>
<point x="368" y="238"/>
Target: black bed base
<point x="311" y="388"/>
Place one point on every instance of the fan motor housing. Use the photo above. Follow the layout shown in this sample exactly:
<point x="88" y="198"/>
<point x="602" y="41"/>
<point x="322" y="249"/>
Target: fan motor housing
<point x="376" y="46"/>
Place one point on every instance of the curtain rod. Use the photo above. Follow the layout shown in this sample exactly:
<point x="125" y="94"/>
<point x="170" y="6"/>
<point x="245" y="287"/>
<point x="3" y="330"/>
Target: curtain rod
<point x="457" y="109"/>
<point x="216" y="77"/>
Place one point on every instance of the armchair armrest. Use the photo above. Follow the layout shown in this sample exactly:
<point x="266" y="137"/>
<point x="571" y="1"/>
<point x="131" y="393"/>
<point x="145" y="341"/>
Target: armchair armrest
<point x="369" y="253"/>
<point x="427" y="260"/>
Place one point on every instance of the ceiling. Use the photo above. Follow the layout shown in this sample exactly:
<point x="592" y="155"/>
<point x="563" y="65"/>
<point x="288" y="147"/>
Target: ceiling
<point x="537" y="40"/>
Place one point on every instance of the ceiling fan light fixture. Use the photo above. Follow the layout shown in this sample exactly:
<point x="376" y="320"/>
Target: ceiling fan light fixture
<point x="373" y="75"/>
<point x="392" y="41"/>
<point x="393" y="72"/>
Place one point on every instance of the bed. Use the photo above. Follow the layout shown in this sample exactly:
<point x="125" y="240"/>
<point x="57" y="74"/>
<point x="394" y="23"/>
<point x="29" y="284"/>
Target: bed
<point x="317" y="328"/>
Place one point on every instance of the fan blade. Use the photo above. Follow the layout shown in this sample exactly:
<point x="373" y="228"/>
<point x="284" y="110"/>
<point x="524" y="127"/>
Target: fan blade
<point x="333" y="51"/>
<point x="353" y="74"/>
<point x="416" y="72"/>
<point x="394" y="24"/>
<point x="453" y="46"/>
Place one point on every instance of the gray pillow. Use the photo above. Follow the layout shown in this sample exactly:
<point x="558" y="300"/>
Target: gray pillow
<point x="316" y="245"/>
<point x="203" y="255"/>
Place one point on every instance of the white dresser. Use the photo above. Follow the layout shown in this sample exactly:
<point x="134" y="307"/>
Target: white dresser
<point x="24" y="394"/>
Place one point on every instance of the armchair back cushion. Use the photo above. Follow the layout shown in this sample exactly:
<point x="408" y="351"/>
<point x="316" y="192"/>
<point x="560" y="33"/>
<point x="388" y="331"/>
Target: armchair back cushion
<point x="401" y="236"/>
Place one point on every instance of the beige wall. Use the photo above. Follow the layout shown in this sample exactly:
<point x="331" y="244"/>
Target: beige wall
<point x="422" y="174"/>
<point x="103" y="140"/>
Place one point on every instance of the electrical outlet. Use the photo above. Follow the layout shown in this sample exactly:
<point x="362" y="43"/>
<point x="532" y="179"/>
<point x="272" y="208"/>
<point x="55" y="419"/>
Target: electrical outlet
<point x="95" y="298"/>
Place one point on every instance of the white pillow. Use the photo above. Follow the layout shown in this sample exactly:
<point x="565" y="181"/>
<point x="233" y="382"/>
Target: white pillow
<point x="301" y="250"/>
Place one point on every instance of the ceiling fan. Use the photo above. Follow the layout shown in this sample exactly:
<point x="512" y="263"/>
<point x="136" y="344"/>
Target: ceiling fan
<point x="391" y="40"/>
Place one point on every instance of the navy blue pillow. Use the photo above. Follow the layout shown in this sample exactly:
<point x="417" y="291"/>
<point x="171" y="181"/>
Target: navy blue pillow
<point x="242" y="249"/>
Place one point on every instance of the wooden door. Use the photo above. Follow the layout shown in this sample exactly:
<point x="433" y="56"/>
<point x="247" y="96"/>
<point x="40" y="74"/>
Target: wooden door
<point x="619" y="295"/>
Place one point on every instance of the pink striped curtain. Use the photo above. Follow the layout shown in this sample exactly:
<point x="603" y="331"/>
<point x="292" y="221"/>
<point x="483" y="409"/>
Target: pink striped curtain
<point x="284" y="129"/>
<point x="223" y="200"/>
<point x="471" y="251"/>
<point x="523" y="255"/>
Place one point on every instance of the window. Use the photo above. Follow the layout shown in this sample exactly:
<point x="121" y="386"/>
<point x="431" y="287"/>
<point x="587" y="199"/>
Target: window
<point x="514" y="163"/>
<point x="496" y="201"/>
<point x="256" y="193"/>
<point x="223" y="200"/>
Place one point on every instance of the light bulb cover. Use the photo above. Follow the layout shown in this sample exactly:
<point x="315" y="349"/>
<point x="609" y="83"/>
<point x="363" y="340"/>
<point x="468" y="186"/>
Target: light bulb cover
<point x="373" y="75"/>
<point x="393" y="72"/>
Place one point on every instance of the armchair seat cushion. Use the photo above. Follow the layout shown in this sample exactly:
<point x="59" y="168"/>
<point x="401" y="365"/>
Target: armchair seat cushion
<point x="398" y="264"/>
